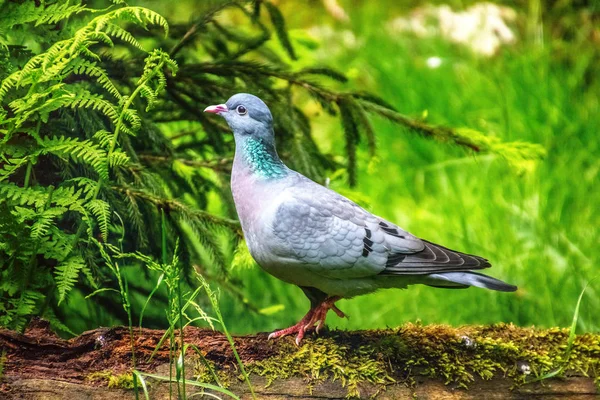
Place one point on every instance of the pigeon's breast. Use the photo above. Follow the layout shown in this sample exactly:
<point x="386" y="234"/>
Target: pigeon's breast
<point x="256" y="203"/>
<point x="255" y="200"/>
<point x="248" y="198"/>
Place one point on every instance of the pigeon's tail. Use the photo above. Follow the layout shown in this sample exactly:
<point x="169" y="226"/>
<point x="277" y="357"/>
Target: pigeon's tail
<point x="465" y="279"/>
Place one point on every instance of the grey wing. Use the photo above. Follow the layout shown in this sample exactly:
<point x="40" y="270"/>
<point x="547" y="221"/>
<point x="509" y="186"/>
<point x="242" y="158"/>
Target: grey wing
<point x="334" y="237"/>
<point x="433" y="259"/>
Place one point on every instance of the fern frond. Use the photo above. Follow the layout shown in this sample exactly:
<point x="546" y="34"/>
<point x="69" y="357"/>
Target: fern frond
<point x="18" y="14"/>
<point x="53" y="60"/>
<point x="9" y="82"/>
<point x="32" y="196"/>
<point x="67" y="196"/>
<point x="82" y="151"/>
<point x="116" y="31"/>
<point x="93" y="70"/>
<point x="147" y="92"/>
<point x="22" y="13"/>
<point x="133" y="119"/>
<point x="87" y="185"/>
<point x="16" y="313"/>
<point x="66" y="275"/>
<point x="45" y="220"/>
<point x="118" y="159"/>
<point x="58" y="96"/>
<point x="56" y="243"/>
<point x="104" y="138"/>
<point x="138" y="15"/>
<point x="11" y="166"/>
<point x="56" y="324"/>
<point x="85" y="99"/>
<point x="59" y="11"/>
<point x="101" y="211"/>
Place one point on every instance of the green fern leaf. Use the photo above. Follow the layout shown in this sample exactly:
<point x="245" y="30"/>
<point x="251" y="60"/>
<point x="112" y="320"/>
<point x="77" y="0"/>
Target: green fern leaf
<point x="101" y="211"/>
<point x="92" y="69"/>
<point x="45" y="220"/>
<point x="79" y="150"/>
<point x="118" y="159"/>
<point x="31" y="196"/>
<point x="116" y="31"/>
<point x="22" y="13"/>
<point x="66" y="275"/>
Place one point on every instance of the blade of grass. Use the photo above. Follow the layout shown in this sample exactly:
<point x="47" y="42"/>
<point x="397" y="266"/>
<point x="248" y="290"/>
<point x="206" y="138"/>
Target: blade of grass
<point x="137" y="374"/>
<point x="570" y="340"/>
<point x="158" y="283"/>
<point x="98" y="291"/>
<point x="194" y="383"/>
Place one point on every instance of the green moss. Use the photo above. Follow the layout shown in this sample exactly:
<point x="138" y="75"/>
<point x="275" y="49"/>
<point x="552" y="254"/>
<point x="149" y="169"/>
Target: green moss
<point x="325" y="358"/>
<point x="113" y="381"/>
<point x="208" y="372"/>
<point x="458" y="356"/>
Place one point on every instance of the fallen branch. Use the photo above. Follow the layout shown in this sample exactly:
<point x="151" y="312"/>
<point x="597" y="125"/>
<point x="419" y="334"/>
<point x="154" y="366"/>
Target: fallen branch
<point x="491" y="362"/>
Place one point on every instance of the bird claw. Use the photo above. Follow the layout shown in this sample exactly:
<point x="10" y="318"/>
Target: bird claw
<point x="320" y="324"/>
<point x="339" y="312"/>
<point x="315" y="316"/>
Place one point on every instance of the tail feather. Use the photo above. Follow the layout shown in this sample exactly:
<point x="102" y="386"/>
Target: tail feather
<point x="467" y="278"/>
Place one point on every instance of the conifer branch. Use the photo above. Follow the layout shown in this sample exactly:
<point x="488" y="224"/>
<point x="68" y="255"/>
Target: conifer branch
<point x="171" y="205"/>
<point x="223" y="164"/>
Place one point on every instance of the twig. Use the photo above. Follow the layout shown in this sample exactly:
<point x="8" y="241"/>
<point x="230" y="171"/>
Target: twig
<point x="218" y="165"/>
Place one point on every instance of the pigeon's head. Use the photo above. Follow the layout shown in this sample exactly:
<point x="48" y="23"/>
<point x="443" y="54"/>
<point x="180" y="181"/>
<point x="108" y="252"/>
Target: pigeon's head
<point x="247" y="115"/>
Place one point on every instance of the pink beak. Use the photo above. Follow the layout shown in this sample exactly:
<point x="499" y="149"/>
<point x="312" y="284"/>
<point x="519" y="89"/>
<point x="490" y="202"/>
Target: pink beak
<point x="219" y="108"/>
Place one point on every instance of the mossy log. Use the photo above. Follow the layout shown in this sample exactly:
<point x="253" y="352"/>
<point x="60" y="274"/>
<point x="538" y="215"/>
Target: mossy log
<point x="412" y="361"/>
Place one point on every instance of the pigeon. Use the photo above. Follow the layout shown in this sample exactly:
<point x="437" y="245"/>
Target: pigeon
<point x="308" y="235"/>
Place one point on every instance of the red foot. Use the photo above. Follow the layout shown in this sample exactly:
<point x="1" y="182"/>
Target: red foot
<point x="314" y="316"/>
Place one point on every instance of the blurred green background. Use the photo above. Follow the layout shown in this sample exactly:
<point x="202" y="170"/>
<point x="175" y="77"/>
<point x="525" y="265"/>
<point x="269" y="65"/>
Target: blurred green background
<point x="538" y="228"/>
<point x="536" y="222"/>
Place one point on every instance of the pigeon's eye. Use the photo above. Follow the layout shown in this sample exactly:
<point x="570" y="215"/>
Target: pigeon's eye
<point x="241" y="110"/>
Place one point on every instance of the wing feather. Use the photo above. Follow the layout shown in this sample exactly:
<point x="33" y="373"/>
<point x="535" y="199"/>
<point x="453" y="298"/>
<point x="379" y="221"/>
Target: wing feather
<point x="334" y="237"/>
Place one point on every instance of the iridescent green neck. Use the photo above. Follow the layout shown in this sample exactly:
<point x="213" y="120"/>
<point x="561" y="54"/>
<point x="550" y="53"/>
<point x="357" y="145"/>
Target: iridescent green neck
<point x="262" y="159"/>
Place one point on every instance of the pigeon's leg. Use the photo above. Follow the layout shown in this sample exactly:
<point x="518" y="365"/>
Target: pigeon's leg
<point x="300" y="328"/>
<point x="321" y="312"/>
<point x="320" y="303"/>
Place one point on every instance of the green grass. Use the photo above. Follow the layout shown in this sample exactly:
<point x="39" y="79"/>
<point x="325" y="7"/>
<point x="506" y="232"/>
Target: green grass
<point x="538" y="228"/>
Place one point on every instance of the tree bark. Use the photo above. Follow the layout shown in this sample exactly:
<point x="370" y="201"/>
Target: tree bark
<point x="40" y="365"/>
